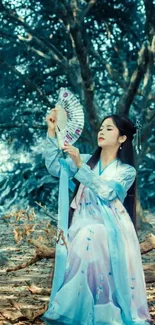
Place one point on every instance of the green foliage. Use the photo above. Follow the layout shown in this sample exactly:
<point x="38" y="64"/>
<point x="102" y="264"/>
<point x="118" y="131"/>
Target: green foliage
<point x="24" y="180"/>
<point x="102" y="51"/>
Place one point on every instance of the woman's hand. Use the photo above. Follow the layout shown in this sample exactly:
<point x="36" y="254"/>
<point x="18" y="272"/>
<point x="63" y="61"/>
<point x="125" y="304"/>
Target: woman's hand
<point x="51" y="121"/>
<point x="74" y="154"/>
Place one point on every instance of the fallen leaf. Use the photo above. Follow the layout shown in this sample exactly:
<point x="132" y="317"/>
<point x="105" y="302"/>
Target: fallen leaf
<point x="34" y="289"/>
<point x="11" y="315"/>
<point x="15" y="304"/>
<point x="18" y="235"/>
<point x="33" y="314"/>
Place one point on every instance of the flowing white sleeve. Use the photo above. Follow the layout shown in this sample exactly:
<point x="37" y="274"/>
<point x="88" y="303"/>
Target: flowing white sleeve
<point x="52" y="155"/>
<point x="107" y="189"/>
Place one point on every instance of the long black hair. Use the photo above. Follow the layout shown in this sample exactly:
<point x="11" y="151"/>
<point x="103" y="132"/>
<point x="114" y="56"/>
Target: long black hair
<point x="126" y="155"/>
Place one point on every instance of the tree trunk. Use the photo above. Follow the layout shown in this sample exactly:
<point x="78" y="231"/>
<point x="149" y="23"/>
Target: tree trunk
<point x="139" y="210"/>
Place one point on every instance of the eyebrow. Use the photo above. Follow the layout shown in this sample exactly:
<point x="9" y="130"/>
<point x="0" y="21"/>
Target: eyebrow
<point x="108" y="125"/>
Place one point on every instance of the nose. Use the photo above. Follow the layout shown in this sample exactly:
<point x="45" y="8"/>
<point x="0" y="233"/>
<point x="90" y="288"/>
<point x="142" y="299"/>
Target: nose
<point x="101" y="133"/>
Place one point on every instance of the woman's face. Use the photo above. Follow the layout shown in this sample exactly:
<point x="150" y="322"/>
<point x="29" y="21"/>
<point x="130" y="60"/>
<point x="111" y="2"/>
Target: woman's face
<point x="108" y="134"/>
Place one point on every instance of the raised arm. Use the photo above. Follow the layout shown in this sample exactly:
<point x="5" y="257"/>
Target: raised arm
<point x="52" y="155"/>
<point x="107" y="190"/>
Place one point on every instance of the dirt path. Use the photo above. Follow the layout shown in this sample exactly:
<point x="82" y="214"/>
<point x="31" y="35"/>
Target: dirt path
<point x="19" y="304"/>
<point x="147" y="259"/>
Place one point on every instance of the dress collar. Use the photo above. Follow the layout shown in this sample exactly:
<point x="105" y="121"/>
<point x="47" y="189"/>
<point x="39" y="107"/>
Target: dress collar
<point x="100" y="165"/>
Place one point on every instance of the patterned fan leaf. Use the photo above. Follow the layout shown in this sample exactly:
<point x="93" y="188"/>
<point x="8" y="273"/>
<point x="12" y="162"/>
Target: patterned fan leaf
<point x="70" y="118"/>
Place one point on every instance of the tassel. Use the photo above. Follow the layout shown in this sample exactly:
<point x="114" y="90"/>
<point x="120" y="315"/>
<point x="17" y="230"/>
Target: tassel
<point x="138" y="136"/>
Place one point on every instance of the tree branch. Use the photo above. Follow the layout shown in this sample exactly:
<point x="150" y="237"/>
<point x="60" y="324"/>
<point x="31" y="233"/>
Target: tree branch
<point x="42" y="252"/>
<point x="17" y="126"/>
<point x="52" y="50"/>
<point x="106" y="65"/>
<point x="148" y="244"/>
<point x="125" y="101"/>
<point x="49" y="50"/>
<point x="148" y="127"/>
<point x="144" y="136"/>
<point x="5" y="34"/>
<point x="88" y="83"/>
<point x="150" y="19"/>
<point x="85" y="11"/>
<point x="125" y="74"/>
<point x="28" y="82"/>
<point x="84" y="138"/>
<point x="37" y="257"/>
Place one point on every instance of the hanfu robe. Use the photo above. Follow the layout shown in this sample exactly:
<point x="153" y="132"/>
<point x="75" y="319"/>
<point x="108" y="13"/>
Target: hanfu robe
<point x="99" y="278"/>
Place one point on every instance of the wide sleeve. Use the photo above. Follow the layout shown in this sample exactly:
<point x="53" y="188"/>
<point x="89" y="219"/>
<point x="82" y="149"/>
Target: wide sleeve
<point x="107" y="190"/>
<point x="52" y="155"/>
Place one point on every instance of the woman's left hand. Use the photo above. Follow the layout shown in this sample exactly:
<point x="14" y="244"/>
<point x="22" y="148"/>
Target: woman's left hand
<point x="74" y="154"/>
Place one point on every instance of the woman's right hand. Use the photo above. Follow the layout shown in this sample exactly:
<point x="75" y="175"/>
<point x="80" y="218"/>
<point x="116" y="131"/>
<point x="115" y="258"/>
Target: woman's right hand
<point x="51" y="119"/>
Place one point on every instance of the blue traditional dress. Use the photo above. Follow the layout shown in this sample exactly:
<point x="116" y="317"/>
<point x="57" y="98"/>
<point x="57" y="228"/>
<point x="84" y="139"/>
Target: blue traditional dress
<point x="99" y="278"/>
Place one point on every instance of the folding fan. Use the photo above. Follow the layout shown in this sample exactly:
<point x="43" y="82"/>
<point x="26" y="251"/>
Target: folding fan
<point x="70" y="118"/>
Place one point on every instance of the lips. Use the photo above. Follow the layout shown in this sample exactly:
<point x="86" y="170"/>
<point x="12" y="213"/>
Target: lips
<point x="100" y="139"/>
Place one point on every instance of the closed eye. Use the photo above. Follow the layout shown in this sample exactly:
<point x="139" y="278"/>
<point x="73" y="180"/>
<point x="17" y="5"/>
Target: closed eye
<point x="107" y="130"/>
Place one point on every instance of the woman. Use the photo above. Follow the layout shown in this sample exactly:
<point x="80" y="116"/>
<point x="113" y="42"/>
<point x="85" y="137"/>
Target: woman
<point x="103" y="280"/>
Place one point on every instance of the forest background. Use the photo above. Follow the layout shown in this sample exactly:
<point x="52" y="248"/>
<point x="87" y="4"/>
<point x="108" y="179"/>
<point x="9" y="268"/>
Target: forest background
<point x="104" y="52"/>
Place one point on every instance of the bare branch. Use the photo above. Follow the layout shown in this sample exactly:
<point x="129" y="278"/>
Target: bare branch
<point x="46" y="211"/>
<point x="38" y="52"/>
<point x="41" y="253"/>
<point x="55" y="54"/>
